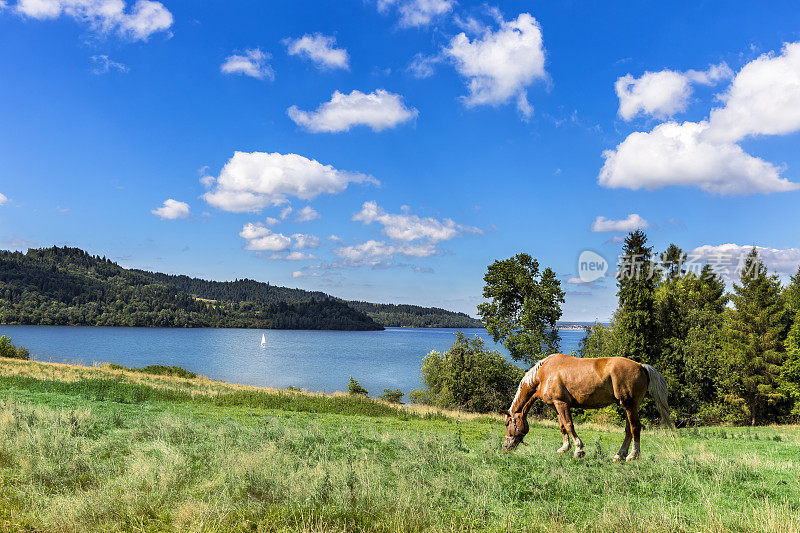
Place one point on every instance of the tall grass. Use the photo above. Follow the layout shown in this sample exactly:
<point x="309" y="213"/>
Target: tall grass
<point x="73" y="458"/>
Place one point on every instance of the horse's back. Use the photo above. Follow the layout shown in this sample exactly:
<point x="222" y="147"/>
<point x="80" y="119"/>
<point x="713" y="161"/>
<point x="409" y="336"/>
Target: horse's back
<point x="598" y="381"/>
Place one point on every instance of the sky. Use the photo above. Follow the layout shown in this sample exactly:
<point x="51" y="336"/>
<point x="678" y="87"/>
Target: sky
<point x="389" y="150"/>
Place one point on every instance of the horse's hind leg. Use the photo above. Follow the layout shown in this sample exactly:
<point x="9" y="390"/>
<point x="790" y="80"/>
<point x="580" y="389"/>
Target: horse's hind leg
<point x="563" y="411"/>
<point x="623" y="451"/>
<point x="636" y="429"/>
<point x="564" y="435"/>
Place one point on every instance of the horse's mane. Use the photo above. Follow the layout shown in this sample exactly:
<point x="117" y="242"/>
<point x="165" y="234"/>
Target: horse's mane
<point x="527" y="379"/>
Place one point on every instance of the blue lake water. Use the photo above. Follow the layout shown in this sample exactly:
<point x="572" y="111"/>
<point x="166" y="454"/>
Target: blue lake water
<point x="310" y="360"/>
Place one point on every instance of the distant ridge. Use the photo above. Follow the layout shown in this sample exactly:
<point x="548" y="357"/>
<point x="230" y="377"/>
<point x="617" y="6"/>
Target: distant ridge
<point x="69" y="286"/>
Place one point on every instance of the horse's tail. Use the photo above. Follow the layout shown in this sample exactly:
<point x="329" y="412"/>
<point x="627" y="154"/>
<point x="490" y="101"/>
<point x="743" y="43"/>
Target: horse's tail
<point x="658" y="390"/>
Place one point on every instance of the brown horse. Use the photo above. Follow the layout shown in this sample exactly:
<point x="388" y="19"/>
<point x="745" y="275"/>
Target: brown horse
<point x="563" y="382"/>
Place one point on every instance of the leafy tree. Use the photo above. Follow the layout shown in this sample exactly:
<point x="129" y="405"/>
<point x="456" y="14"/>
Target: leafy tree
<point x="636" y="282"/>
<point x="523" y="308"/>
<point x="790" y="371"/>
<point x="755" y="349"/>
<point x="468" y="377"/>
<point x="7" y="349"/>
<point x="392" y="395"/>
<point x="354" y="387"/>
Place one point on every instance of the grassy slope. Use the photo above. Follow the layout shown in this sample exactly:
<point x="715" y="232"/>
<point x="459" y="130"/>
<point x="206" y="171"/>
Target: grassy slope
<point x="97" y="449"/>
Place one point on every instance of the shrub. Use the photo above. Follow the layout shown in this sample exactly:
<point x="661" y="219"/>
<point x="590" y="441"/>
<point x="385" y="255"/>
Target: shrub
<point x="7" y="349"/>
<point x="468" y="377"/>
<point x="392" y="395"/>
<point x="354" y="387"/>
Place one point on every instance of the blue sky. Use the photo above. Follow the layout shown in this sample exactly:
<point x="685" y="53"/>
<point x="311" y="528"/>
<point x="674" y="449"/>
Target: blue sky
<point x="427" y="138"/>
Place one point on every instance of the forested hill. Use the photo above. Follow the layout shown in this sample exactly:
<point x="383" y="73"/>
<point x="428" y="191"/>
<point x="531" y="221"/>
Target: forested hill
<point x="392" y="315"/>
<point x="67" y="286"/>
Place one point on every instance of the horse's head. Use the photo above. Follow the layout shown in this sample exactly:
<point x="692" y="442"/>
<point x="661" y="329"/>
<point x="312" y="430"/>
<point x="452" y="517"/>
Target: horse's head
<point x="516" y="429"/>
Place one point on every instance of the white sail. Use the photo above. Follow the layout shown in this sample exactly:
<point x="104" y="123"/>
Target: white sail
<point x="263" y="340"/>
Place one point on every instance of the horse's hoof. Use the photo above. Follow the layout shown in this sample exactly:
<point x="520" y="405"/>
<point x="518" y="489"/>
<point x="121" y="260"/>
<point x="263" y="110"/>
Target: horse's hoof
<point x="632" y="457"/>
<point x="579" y="454"/>
<point x="617" y="458"/>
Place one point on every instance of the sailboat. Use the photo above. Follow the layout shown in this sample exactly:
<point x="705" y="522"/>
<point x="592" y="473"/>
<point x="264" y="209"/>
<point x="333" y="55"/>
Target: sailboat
<point x="263" y="340"/>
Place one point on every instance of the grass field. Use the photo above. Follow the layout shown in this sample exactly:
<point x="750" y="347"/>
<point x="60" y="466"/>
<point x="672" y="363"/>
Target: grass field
<point x="85" y="449"/>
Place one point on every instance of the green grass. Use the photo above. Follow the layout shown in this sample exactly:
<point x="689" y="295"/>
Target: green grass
<point x="113" y="455"/>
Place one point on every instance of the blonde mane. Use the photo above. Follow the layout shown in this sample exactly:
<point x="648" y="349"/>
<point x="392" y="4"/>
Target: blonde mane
<point x="528" y="379"/>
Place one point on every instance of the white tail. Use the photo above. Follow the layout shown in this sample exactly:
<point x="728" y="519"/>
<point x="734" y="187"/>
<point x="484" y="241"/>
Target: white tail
<point x="658" y="390"/>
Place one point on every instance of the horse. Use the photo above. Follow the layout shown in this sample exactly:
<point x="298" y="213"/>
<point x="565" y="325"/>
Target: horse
<point x="563" y="382"/>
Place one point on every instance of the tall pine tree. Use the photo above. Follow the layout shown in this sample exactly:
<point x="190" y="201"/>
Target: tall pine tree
<point x="755" y="347"/>
<point x="636" y="283"/>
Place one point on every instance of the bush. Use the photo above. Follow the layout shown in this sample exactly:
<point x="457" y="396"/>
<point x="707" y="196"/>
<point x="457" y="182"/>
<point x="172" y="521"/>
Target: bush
<point x="392" y="395"/>
<point x="468" y="377"/>
<point x="7" y="349"/>
<point x="354" y="387"/>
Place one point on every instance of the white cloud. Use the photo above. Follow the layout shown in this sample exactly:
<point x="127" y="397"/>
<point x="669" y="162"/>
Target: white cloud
<point x="679" y="154"/>
<point x="664" y="93"/>
<point x="415" y="13"/>
<point x="422" y="66"/>
<point x="630" y="223"/>
<point x="305" y="241"/>
<point x="3" y="198"/>
<point x="285" y="212"/>
<point x="272" y="221"/>
<point x="103" y="64"/>
<point x="253" y="63"/>
<point x="502" y="64"/>
<point x="728" y="259"/>
<point x="321" y="49"/>
<point x="307" y="214"/>
<point x="406" y="227"/>
<point x="374" y="253"/>
<point x="378" y="110"/>
<point x="252" y="181"/>
<point x="261" y="238"/>
<point x="138" y="22"/>
<point x="763" y="99"/>
<point x="172" y="209"/>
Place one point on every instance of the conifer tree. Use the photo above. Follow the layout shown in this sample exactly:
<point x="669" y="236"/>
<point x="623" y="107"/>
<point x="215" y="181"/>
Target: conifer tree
<point x="755" y="348"/>
<point x="636" y="282"/>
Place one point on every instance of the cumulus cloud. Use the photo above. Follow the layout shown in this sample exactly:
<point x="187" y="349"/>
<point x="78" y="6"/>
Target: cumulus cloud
<point x="680" y="154"/>
<point x="262" y="239"/>
<point x="253" y="62"/>
<point x="728" y="259"/>
<point x="375" y="253"/>
<point x="630" y="223"/>
<point x="298" y="256"/>
<point x="406" y="227"/>
<point x="763" y="99"/>
<point x="307" y="214"/>
<point x="252" y="181"/>
<point x="172" y="209"/>
<point x="664" y="93"/>
<point x="3" y="198"/>
<point x="137" y="22"/>
<point x="320" y="49"/>
<point x="103" y="64"/>
<point x="415" y="13"/>
<point x="501" y="64"/>
<point x="379" y="110"/>
<point x="304" y="241"/>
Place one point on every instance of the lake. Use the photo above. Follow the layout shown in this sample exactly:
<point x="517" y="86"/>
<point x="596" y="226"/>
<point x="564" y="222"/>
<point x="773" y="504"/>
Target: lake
<point x="310" y="360"/>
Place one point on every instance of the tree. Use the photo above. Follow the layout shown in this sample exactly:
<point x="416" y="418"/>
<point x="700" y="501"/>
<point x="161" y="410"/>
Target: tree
<point x="755" y="348"/>
<point x="354" y="387"/>
<point x="392" y="395"/>
<point x="468" y="377"/>
<point x="523" y="308"/>
<point x="7" y="349"/>
<point x="636" y="282"/>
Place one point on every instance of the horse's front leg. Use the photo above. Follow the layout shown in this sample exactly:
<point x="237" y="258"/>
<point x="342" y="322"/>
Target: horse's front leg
<point x="623" y="451"/>
<point x="563" y="411"/>
<point x="564" y="435"/>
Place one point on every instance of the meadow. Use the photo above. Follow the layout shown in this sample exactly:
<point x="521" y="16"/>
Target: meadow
<point x="107" y="449"/>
